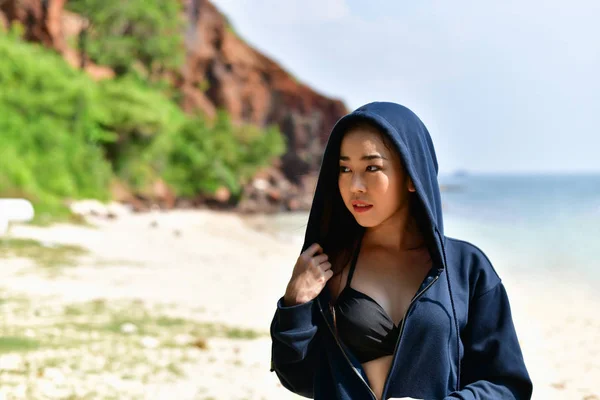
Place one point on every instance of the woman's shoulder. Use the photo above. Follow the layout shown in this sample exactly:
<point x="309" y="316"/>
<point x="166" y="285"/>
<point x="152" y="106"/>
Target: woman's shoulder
<point x="465" y="249"/>
<point x="472" y="265"/>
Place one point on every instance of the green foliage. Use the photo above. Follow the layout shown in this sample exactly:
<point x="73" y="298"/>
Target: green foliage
<point x="64" y="135"/>
<point x="138" y="115"/>
<point x="48" y="131"/>
<point x="204" y="156"/>
<point x="16" y="30"/>
<point x="123" y="33"/>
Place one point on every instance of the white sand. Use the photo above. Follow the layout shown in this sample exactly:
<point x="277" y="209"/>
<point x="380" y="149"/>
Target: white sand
<point x="213" y="267"/>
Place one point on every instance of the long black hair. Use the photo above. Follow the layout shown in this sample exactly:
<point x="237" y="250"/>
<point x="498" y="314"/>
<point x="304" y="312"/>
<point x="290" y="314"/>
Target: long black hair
<point x="339" y="233"/>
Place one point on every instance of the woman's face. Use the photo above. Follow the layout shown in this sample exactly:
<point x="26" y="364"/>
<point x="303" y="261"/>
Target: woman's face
<point x="371" y="174"/>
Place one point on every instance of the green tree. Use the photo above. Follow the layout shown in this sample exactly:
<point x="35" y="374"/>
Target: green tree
<point x="205" y="155"/>
<point x="50" y="141"/>
<point x="123" y="34"/>
<point x="64" y="135"/>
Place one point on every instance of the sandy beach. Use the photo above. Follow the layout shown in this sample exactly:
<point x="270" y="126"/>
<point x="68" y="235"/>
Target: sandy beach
<point x="177" y="304"/>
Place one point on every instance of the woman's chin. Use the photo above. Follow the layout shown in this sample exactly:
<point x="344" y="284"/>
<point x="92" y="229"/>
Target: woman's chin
<point x="365" y="221"/>
<point x="365" y="218"/>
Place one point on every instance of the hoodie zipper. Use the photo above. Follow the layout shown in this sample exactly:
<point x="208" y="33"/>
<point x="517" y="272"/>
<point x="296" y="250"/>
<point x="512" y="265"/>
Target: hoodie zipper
<point x="344" y="353"/>
<point x="391" y="371"/>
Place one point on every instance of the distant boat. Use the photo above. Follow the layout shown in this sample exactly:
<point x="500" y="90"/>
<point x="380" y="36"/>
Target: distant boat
<point x="451" y="187"/>
<point x="454" y="182"/>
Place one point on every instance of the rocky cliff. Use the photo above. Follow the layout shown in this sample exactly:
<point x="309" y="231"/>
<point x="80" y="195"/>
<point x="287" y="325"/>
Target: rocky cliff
<point x="253" y="87"/>
<point x="221" y="71"/>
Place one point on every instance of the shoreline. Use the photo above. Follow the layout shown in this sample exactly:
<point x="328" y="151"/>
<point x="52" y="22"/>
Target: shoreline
<point x="217" y="267"/>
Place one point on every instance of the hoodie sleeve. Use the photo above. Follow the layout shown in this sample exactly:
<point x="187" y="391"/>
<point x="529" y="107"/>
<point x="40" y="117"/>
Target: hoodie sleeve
<point x="295" y="343"/>
<point x="493" y="365"/>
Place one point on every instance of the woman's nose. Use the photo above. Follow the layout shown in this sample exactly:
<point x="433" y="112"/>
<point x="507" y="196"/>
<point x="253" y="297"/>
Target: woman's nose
<point x="357" y="185"/>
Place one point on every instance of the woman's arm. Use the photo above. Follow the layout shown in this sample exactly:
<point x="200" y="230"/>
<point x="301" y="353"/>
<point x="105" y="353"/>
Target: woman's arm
<point x="294" y="332"/>
<point x="294" y="328"/>
<point x="493" y="365"/>
<point x="295" y="343"/>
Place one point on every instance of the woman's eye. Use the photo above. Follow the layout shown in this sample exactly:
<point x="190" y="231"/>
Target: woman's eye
<point x="370" y="168"/>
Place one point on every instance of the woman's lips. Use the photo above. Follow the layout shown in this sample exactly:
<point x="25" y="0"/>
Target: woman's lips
<point x="360" y="209"/>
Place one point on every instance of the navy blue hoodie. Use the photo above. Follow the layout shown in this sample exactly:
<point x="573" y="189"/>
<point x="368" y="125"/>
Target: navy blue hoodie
<point x="457" y="340"/>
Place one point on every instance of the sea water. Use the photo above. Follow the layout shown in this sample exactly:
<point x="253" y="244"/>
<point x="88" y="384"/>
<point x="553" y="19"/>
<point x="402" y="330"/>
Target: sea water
<point x="540" y="224"/>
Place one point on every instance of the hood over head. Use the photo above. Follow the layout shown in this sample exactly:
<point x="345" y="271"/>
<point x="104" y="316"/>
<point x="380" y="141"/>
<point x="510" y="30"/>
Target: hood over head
<point x="332" y="225"/>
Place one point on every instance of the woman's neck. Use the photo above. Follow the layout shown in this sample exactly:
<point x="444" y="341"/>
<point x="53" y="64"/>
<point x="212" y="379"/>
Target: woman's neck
<point x="398" y="233"/>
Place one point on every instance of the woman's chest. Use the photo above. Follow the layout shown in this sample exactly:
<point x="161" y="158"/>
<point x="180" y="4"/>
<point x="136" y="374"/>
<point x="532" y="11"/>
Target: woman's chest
<point x="391" y="284"/>
<point x="428" y="334"/>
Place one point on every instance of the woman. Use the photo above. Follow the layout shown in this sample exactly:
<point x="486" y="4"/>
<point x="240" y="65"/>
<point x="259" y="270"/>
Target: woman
<point x="381" y="304"/>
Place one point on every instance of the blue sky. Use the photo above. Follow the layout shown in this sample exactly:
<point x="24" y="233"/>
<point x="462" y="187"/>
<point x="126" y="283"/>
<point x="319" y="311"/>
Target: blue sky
<point x="509" y="87"/>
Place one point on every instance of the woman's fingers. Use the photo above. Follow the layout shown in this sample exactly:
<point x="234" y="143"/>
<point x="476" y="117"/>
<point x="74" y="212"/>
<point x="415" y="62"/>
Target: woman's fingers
<point x="325" y="266"/>
<point x="311" y="250"/>
<point x="321" y="258"/>
<point x="325" y="272"/>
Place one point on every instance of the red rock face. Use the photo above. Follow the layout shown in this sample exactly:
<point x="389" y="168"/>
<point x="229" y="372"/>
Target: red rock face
<point x="220" y="71"/>
<point x="41" y="20"/>
<point x="3" y="22"/>
<point x="47" y="22"/>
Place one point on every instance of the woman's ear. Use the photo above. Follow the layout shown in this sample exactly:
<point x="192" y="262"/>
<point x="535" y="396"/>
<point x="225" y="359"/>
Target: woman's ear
<point x="411" y="185"/>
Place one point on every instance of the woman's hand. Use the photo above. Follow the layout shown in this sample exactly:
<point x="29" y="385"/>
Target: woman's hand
<point x="309" y="277"/>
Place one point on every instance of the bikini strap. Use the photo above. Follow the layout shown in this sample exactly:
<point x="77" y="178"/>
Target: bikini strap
<point x="353" y="265"/>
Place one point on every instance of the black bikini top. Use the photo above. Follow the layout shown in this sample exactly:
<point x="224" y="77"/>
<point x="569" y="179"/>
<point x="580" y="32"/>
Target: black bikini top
<point x="362" y="324"/>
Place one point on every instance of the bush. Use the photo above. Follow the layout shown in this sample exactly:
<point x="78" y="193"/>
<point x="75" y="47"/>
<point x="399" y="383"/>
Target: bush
<point x="48" y="133"/>
<point x="204" y="156"/>
<point x="123" y="34"/>
<point x="137" y="115"/>
<point x="64" y="135"/>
